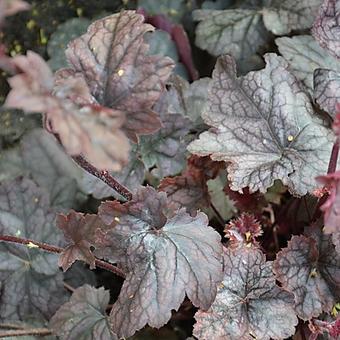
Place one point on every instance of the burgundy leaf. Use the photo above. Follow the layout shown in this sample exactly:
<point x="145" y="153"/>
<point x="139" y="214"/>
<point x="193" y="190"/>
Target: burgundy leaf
<point x="190" y="189"/>
<point x="248" y="304"/>
<point x="310" y="268"/>
<point x="84" y="317"/>
<point x="209" y="168"/>
<point x="112" y="58"/>
<point x="245" y="201"/>
<point x="79" y="231"/>
<point x="167" y="254"/>
<point x="82" y="125"/>
<point x="326" y="28"/>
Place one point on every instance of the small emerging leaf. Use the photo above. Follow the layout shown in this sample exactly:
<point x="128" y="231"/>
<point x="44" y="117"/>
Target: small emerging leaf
<point x="79" y="229"/>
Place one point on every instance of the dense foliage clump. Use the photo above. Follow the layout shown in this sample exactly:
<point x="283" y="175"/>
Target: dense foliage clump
<point x="168" y="169"/>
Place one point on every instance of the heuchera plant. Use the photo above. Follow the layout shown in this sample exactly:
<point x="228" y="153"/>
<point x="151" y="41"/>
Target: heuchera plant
<point x="136" y="196"/>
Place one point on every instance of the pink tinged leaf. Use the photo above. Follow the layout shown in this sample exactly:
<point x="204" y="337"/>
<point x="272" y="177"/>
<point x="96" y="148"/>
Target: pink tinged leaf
<point x="167" y="255"/>
<point x="79" y="230"/>
<point x="84" y="316"/>
<point x="13" y="6"/>
<point x="112" y="57"/>
<point x="326" y="28"/>
<point x="310" y="268"/>
<point x="264" y="128"/>
<point x="248" y="303"/>
<point x="327" y="89"/>
<point x="83" y="126"/>
<point x="331" y="207"/>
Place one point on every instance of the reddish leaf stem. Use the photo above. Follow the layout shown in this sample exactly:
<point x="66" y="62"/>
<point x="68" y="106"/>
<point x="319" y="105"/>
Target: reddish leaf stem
<point x="218" y="215"/>
<point x="23" y="332"/>
<point x="104" y="176"/>
<point x="331" y="168"/>
<point x="58" y="250"/>
<point x="334" y="157"/>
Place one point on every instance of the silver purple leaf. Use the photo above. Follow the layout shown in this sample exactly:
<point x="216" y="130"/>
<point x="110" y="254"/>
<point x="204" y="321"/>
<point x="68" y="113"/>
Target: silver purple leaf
<point x="242" y="31"/>
<point x="304" y="56"/>
<point x="264" y="127"/>
<point x="310" y="268"/>
<point x="239" y="32"/>
<point x="326" y="28"/>
<point x="188" y="99"/>
<point x="83" y="316"/>
<point x="248" y="303"/>
<point x="31" y="283"/>
<point x="167" y="255"/>
<point x="327" y="89"/>
<point x="282" y="16"/>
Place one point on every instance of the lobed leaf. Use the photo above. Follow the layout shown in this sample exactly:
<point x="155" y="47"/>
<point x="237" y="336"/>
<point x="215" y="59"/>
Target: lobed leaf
<point x="79" y="230"/>
<point x="82" y="125"/>
<point x="239" y="32"/>
<point x="265" y="127"/>
<point x="327" y="89"/>
<point x="167" y="254"/>
<point x="305" y="56"/>
<point x="248" y="303"/>
<point x="283" y="16"/>
<point x="188" y="99"/>
<point x="242" y="31"/>
<point x="190" y="189"/>
<point x="326" y="28"/>
<point x="165" y="150"/>
<point x="84" y="317"/>
<point x="31" y="284"/>
<point x="309" y="268"/>
<point x="112" y="59"/>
